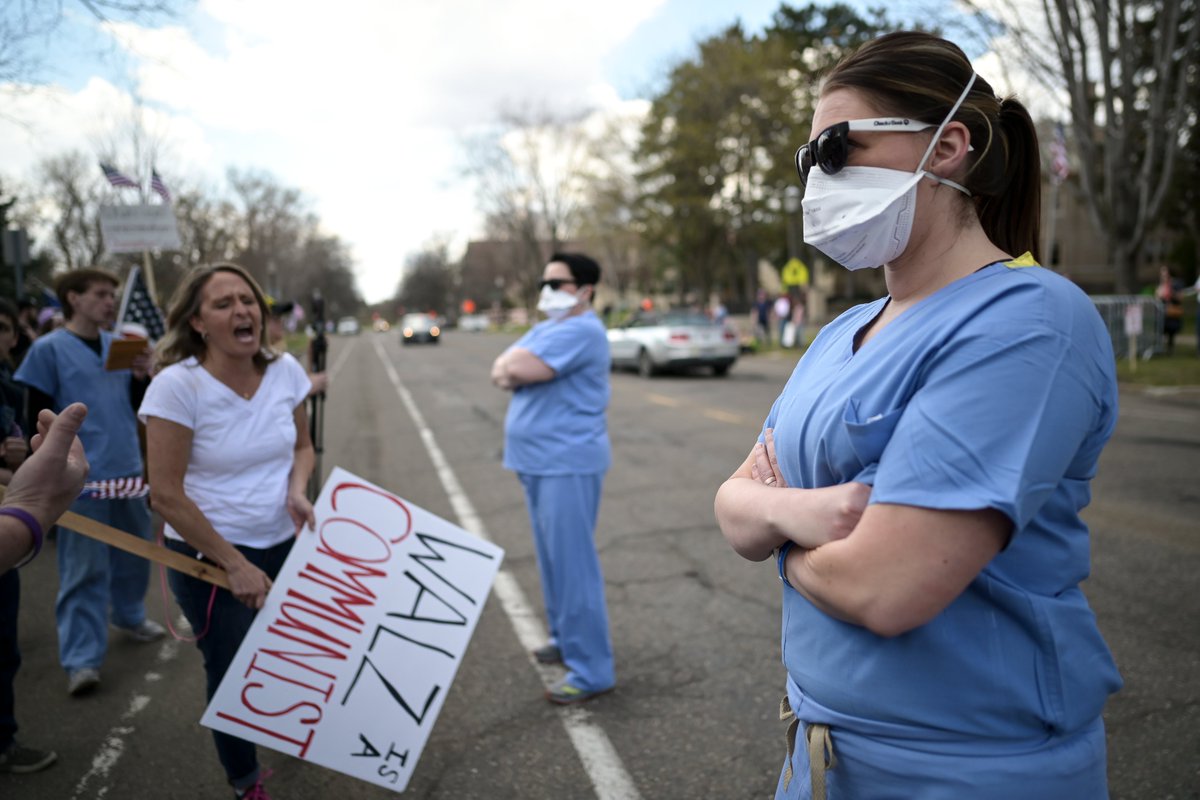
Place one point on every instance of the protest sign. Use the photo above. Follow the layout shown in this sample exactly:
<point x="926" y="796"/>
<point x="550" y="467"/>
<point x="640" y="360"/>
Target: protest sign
<point x="349" y="661"/>
<point x="132" y="229"/>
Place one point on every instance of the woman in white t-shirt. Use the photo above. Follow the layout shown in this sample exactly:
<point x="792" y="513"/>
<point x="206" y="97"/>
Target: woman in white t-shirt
<point x="229" y="457"/>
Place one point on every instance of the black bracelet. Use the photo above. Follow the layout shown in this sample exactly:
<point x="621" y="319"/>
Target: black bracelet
<point x="34" y="527"/>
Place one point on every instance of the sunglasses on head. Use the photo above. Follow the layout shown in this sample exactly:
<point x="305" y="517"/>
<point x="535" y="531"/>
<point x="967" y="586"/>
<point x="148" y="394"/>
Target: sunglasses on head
<point x="831" y="148"/>
<point x="555" y="283"/>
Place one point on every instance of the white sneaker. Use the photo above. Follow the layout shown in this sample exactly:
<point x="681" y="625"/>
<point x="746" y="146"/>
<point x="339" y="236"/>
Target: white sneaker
<point x="82" y="681"/>
<point x="146" y="631"/>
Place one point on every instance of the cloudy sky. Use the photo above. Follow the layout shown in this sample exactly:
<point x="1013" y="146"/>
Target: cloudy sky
<point x="363" y="105"/>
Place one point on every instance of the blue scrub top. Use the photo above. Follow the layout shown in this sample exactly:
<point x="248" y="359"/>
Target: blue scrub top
<point x="558" y="427"/>
<point x="62" y="366"/>
<point x="998" y="391"/>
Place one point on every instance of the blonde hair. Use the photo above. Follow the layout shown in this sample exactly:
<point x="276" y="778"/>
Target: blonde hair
<point x="182" y="341"/>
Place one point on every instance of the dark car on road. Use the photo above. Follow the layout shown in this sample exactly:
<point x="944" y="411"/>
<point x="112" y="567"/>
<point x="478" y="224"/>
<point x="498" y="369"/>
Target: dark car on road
<point x="417" y="328"/>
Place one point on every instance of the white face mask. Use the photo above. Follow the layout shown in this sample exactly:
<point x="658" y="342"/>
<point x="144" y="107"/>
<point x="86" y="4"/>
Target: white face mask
<point x="862" y="217"/>
<point x="555" y="303"/>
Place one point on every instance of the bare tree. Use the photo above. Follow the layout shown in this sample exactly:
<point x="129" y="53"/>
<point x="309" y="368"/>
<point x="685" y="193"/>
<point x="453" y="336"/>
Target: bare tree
<point x="27" y="26"/>
<point x="428" y="281"/>
<point x="530" y="179"/>
<point x="71" y="201"/>
<point x="1125" y="66"/>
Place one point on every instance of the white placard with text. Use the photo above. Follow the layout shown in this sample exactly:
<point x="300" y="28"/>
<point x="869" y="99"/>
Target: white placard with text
<point x="349" y="661"/>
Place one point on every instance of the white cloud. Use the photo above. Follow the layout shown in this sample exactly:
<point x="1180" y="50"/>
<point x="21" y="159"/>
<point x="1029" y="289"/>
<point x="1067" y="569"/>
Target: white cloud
<point x="53" y="120"/>
<point x="364" y="106"/>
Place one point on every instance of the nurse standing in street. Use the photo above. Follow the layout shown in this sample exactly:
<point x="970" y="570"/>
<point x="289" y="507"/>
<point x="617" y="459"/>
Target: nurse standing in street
<point x="920" y="479"/>
<point x="556" y="440"/>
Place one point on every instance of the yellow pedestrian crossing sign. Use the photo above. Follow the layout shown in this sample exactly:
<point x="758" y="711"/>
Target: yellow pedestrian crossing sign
<point x="795" y="273"/>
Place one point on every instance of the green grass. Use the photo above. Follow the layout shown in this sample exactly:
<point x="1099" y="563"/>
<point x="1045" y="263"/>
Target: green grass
<point x="1180" y="369"/>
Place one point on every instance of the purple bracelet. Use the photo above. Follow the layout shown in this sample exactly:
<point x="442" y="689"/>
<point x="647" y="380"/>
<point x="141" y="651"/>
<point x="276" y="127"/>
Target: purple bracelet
<point x="34" y="527"/>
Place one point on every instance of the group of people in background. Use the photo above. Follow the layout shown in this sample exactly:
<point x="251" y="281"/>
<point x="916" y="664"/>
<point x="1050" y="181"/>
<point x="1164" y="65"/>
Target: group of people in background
<point x="786" y="314"/>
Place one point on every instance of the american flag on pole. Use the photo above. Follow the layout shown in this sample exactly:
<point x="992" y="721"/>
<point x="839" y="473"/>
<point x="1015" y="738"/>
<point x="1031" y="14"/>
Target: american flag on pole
<point x="1060" y="167"/>
<point x="137" y="306"/>
<point x="117" y="178"/>
<point x="156" y="183"/>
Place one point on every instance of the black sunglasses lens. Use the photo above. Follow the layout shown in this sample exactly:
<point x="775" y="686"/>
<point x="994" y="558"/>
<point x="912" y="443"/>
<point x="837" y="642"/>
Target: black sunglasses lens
<point x="555" y="283"/>
<point x="832" y="150"/>
<point x="803" y="163"/>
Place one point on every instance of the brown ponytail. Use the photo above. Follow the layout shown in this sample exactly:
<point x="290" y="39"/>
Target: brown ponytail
<point x="1010" y="211"/>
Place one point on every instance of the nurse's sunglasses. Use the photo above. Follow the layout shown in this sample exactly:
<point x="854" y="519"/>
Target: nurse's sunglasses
<point x="831" y="148"/>
<point x="555" y="283"/>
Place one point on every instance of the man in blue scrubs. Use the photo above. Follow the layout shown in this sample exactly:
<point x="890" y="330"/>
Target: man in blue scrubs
<point x="556" y="440"/>
<point x="63" y="367"/>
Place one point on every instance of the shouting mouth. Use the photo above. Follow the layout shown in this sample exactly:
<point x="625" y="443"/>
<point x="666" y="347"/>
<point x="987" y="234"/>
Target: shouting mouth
<point x="245" y="333"/>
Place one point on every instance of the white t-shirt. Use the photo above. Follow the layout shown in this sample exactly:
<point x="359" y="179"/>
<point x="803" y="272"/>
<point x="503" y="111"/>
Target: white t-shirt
<point x="242" y="450"/>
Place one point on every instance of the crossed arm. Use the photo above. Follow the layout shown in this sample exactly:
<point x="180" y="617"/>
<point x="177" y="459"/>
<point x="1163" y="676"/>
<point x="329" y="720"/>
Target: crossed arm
<point x="517" y="366"/>
<point x="889" y="568"/>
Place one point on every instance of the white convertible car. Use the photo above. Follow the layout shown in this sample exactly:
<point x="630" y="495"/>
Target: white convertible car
<point x="652" y="342"/>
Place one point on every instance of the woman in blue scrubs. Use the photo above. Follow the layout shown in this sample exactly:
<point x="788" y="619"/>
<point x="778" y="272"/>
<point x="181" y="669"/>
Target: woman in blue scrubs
<point x="556" y="440"/>
<point x="920" y="479"/>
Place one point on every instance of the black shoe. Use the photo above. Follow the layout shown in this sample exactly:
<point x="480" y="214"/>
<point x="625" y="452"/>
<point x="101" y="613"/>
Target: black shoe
<point x="548" y="654"/>
<point x="20" y="759"/>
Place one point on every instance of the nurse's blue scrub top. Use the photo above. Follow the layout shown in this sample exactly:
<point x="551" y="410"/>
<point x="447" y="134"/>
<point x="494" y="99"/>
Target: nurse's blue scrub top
<point x="558" y="427"/>
<point x="998" y="391"/>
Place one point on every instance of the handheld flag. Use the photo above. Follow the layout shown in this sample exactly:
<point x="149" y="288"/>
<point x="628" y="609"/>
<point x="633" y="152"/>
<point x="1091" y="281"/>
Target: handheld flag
<point x="137" y="306"/>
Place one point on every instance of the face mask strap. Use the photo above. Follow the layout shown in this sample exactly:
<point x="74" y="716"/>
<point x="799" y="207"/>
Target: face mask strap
<point x="938" y="133"/>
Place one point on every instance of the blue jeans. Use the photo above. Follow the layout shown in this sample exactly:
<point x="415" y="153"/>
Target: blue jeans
<point x="93" y="576"/>
<point x="223" y="632"/>
<point x="10" y="654"/>
<point x="562" y="510"/>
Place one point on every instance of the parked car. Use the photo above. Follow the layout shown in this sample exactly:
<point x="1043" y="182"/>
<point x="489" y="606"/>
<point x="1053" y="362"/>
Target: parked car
<point x="416" y="328"/>
<point x="347" y="326"/>
<point x="473" y="323"/>
<point x="653" y="342"/>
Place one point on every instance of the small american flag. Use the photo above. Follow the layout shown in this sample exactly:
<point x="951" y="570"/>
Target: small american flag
<point x="156" y="183"/>
<point x="116" y="488"/>
<point x="1060" y="167"/>
<point x="117" y="178"/>
<point x="137" y="306"/>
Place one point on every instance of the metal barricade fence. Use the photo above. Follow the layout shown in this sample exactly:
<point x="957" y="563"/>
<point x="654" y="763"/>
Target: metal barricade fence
<point x="1132" y="319"/>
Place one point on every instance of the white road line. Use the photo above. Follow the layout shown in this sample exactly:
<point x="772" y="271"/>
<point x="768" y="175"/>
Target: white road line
<point x="341" y="362"/>
<point x="113" y="748"/>
<point x="600" y="760"/>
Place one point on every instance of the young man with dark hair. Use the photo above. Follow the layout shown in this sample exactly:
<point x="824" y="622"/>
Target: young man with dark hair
<point x="556" y="440"/>
<point x="62" y="367"/>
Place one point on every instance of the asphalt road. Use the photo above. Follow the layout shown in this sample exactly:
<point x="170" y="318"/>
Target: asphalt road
<point x="695" y="627"/>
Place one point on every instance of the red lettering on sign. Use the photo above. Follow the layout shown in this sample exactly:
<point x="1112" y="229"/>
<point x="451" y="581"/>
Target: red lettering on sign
<point x="333" y="500"/>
